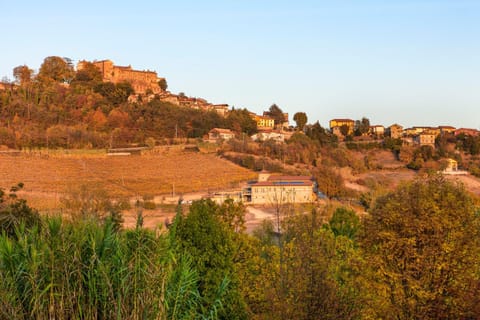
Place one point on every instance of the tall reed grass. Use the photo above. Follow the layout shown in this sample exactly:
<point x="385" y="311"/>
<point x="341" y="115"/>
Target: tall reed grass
<point x="88" y="270"/>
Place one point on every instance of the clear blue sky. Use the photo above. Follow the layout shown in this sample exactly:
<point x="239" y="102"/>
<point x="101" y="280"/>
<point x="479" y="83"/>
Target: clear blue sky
<point x="414" y="62"/>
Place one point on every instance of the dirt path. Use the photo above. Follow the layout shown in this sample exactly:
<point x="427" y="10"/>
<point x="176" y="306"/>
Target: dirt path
<point x="255" y="215"/>
<point x="470" y="182"/>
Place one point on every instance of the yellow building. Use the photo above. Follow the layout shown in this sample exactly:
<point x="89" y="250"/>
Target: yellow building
<point x="452" y="165"/>
<point x="264" y="122"/>
<point x="435" y="131"/>
<point x="336" y="124"/>
<point x="446" y="129"/>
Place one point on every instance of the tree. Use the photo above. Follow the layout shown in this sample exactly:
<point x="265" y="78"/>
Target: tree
<point x="323" y="136"/>
<point x="162" y="83"/>
<point x="344" y="130"/>
<point x="23" y="74"/>
<point x="317" y="276"/>
<point x="87" y="202"/>
<point x="330" y="182"/>
<point x="88" y="73"/>
<point x="301" y="119"/>
<point x="345" y="222"/>
<point x="423" y="242"/>
<point x="56" y="69"/>
<point x="362" y="126"/>
<point x="240" y="121"/>
<point x="115" y="93"/>
<point x="208" y="240"/>
<point x="276" y="113"/>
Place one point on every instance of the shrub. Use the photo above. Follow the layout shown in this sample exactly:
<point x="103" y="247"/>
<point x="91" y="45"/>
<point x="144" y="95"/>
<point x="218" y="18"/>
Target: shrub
<point x="149" y="205"/>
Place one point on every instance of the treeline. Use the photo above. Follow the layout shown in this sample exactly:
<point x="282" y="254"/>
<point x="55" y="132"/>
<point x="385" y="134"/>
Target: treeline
<point x="60" y="107"/>
<point x="415" y="255"/>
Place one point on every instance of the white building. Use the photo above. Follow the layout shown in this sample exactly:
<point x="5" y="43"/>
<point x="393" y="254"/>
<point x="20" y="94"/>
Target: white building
<point x="263" y="136"/>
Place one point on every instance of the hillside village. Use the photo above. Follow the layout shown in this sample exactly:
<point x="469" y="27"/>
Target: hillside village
<point x="146" y="83"/>
<point x="124" y="110"/>
<point x="277" y="212"/>
<point x="240" y="160"/>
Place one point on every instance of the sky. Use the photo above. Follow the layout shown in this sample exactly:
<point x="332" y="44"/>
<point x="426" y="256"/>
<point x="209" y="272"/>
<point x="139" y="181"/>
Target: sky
<point x="412" y="62"/>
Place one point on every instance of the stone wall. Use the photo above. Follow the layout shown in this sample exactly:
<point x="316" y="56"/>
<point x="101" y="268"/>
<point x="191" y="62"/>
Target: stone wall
<point x="141" y="81"/>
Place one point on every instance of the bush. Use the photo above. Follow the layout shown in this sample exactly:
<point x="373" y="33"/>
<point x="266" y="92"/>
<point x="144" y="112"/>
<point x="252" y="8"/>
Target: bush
<point x="149" y="205"/>
<point x="15" y="212"/>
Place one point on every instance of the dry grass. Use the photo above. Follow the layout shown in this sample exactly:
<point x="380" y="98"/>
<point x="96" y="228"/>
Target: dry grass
<point x="47" y="178"/>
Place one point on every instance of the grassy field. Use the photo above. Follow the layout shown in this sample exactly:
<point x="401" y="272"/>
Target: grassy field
<point x="47" y="177"/>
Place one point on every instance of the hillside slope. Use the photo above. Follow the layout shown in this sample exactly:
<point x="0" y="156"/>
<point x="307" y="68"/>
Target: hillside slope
<point x="47" y="178"/>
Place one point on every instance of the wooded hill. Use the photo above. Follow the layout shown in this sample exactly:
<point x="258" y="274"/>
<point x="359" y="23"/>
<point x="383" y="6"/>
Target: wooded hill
<point x="60" y="107"/>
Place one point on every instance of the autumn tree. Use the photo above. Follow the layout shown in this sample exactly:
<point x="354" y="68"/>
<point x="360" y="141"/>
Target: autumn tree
<point x="301" y="119"/>
<point x="22" y="74"/>
<point x="320" y="134"/>
<point x="317" y="276"/>
<point x="55" y="69"/>
<point x="276" y="113"/>
<point x="330" y="182"/>
<point x="88" y="73"/>
<point x="301" y="148"/>
<point x="423" y="242"/>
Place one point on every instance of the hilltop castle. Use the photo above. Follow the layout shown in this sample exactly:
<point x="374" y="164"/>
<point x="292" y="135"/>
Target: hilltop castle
<point x="141" y="81"/>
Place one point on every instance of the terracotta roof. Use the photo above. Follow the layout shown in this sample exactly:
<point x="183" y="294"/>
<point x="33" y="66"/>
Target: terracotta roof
<point x="220" y="130"/>
<point x="286" y="181"/>
<point x="343" y="120"/>
<point x="277" y="178"/>
<point x="423" y="127"/>
<point x="283" y="183"/>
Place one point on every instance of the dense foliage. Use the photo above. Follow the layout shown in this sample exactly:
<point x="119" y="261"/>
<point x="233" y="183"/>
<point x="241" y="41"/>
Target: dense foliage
<point x="415" y="256"/>
<point x="422" y="242"/>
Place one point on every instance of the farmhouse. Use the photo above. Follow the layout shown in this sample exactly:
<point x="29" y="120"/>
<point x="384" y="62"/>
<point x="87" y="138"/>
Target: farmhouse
<point x="272" y="190"/>
<point x="218" y="134"/>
